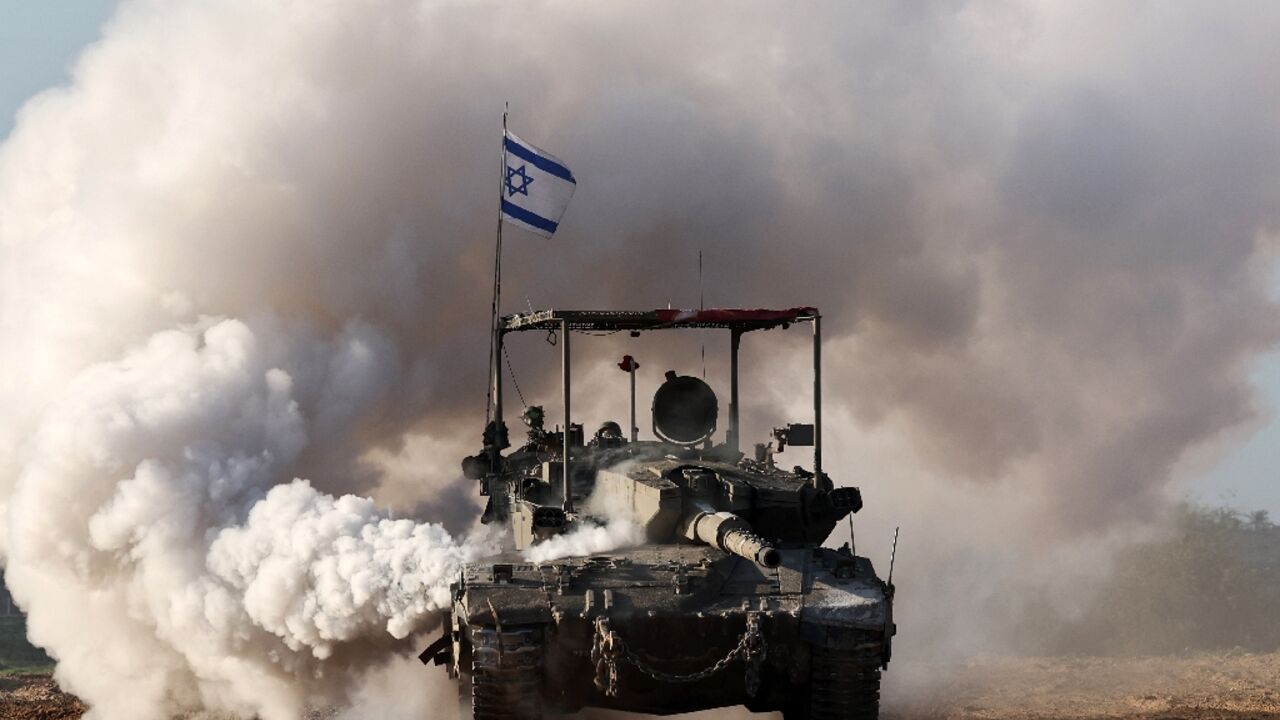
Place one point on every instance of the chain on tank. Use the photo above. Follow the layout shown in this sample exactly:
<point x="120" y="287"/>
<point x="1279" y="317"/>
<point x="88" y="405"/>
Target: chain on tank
<point x="608" y="647"/>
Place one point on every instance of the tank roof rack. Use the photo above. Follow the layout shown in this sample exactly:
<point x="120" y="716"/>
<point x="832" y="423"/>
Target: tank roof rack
<point x="606" y="320"/>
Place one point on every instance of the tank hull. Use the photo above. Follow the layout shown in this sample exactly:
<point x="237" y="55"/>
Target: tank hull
<point x="666" y="629"/>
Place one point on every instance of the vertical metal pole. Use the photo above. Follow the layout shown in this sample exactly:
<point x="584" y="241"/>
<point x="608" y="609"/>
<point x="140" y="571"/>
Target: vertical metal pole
<point x="496" y="308"/>
<point x="817" y="400"/>
<point x="564" y="363"/>
<point x="497" y="379"/>
<point x="635" y="431"/>
<point x="735" y="341"/>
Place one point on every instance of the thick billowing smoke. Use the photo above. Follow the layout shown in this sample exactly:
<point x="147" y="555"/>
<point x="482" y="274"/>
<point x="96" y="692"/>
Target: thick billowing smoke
<point x="250" y="243"/>
<point x="164" y="563"/>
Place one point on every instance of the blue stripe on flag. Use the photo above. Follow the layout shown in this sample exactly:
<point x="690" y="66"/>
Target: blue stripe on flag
<point x="528" y="218"/>
<point x="542" y="163"/>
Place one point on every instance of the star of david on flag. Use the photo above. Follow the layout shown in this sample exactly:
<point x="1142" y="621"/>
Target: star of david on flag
<point x="536" y="187"/>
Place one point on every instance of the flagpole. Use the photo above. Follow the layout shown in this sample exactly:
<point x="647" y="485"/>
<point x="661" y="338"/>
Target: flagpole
<point x="493" y="399"/>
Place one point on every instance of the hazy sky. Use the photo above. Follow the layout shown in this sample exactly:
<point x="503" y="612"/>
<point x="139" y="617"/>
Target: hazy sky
<point x="40" y="40"/>
<point x="1247" y="476"/>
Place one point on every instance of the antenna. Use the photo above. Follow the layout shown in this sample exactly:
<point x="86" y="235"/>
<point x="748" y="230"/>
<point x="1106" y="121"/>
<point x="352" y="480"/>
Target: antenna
<point x="701" y="295"/>
<point x="893" y="554"/>
<point x="493" y="394"/>
<point x="702" y="305"/>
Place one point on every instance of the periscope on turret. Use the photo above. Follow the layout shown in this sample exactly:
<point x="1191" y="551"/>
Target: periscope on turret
<point x="729" y="599"/>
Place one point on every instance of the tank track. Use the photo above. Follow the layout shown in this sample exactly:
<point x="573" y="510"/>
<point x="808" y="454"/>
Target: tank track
<point x="506" y="673"/>
<point x="842" y="686"/>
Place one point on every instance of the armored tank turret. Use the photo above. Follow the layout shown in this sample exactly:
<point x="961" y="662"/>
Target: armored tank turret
<point x="715" y="590"/>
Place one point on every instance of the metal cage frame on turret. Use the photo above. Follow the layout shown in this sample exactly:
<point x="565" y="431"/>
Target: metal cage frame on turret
<point x="736" y="320"/>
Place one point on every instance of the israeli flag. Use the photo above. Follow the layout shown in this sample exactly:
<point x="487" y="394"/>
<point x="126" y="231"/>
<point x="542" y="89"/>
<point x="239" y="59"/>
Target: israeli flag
<point x="536" y="189"/>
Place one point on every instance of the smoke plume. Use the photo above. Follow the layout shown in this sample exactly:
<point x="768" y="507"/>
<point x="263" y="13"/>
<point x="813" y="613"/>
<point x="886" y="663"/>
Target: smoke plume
<point x="244" y="275"/>
<point x="154" y="507"/>
<point x="586" y="540"/>
<point x="611" y="526"/>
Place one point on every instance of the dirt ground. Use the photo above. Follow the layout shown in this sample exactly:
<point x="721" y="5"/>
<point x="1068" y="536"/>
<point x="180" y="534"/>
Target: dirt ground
<point x="35" y="697"/>
<point x="1195" y="687"/>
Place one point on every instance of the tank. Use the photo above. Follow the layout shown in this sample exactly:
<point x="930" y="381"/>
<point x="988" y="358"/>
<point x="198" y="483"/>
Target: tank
<point x="722" y="592"/>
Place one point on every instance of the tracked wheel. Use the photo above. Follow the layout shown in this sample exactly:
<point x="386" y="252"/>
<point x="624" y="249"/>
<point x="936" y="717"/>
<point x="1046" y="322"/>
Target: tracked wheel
<point x="506" y="673"/>
<point x="841" y="687"/>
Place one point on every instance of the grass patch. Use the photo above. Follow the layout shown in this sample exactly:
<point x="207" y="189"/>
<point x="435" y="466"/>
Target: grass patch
<point x="17" y="655"/>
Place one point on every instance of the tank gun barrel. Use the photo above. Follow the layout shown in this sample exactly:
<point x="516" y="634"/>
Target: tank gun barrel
<point x="731" y="534"/>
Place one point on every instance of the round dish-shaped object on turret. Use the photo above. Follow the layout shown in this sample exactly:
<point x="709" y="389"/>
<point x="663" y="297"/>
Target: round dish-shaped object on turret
<point x="684" y="410"/>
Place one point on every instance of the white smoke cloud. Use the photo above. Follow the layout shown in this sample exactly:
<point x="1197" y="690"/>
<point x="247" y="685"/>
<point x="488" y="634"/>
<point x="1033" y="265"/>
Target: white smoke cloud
<point x="314" y="570"/>
<point x="608" y="525"/>
<point x="396" y="688"/>
<point x="157" y="502"/>
<point x="587" y="539"/>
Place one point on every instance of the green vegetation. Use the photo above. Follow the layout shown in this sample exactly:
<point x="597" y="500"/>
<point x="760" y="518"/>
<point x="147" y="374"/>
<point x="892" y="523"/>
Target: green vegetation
<point x="17" y="655"/>
<point x="1212" y="584"/>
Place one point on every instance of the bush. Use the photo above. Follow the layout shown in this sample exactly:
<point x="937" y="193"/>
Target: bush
<point x="17" y="655"/>
<point x="1213" y="584"/>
